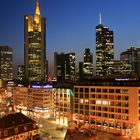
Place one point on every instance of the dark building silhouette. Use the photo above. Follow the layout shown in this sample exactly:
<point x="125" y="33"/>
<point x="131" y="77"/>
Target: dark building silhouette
<point x="81" y="75"/>
<point x="64" y="66"/>
<point x="21" y="73"/>
<point x="6" y="63"/>
<point x="35" y="47"/>
<point x="86" y="67"/>
<point x="104" y="50"/>
<point x="88" y="64"/>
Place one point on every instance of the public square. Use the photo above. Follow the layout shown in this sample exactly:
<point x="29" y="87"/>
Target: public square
<point x="59" y="132"/>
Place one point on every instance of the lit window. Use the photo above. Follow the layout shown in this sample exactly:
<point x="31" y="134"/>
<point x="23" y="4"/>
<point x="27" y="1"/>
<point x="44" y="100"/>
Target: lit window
<point x="16" y="130"/>
<point x="6" y="133"/>
<point x="34" y="126"/>
<point x="25" y="128"/>
<point x="81" y="101"/>
<point x="86" y="101"/>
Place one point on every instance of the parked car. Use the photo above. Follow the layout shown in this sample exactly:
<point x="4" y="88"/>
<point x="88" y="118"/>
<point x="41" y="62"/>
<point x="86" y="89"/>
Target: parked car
<point x="59" y="128"/>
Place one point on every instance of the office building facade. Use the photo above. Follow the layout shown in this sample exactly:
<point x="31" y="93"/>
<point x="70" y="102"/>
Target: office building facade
<point x="63" y="104"/>
<point x="131" y="59"/>
<point x="110" y="107"/>
<point x="36" y="98"/>
<point x="104" y="51"/>
<point x="65" y="67"/>
<point x="88" y="64"/>
<point x="6" y="63"/>
<point x="21" y="73"/>
<point x="122" y="69"/>
<point x="35" y="47"/>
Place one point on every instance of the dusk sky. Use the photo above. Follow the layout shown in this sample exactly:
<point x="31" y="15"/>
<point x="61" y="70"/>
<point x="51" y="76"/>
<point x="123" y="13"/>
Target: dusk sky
<point x="71" y="25"/>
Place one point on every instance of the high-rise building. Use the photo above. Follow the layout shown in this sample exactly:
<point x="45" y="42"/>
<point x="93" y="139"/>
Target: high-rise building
<point x="88" y="64"/>
<point x="35" y="47"/>
<point x="131" y="58"/>
<point x="104" y="50"/>
<point x="122" y="69"/>
<point x="6" y="63"/>
<point x="21" y="73"/>
<point x="65" y="67"/>
<point x="80" y="76"/>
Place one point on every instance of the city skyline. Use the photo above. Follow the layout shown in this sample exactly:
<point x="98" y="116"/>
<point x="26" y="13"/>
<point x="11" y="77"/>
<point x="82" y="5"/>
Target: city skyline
<point x="71" y="25"/>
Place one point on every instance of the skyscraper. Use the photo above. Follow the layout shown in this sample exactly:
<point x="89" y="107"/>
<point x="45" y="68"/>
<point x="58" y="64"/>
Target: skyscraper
<point x="21" y="73"/>
<point x="104" y="50"/>
<point x="131" y="59"/>
<point x="64" y="65"/>
<point x="35" y="47"/>
<point x="88" y="64"/>
<point x="6" y="63"/>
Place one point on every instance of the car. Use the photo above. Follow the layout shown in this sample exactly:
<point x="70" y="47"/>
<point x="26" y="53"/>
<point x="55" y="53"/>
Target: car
<point x="81" y="130"/>
<point x="45" y="136"/>
<point x="59" y="128"/>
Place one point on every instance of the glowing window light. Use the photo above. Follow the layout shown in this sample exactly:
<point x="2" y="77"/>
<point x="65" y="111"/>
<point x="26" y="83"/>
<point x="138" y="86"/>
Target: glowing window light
<point x="81" y="101"/>
<point x="100" y="102"/>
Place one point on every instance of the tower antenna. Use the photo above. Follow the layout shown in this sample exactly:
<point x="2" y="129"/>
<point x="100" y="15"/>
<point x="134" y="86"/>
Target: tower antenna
<point x="100" y="18"/>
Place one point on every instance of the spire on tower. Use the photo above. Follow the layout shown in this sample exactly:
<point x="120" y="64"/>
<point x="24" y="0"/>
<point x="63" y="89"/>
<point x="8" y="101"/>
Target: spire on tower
<point x="37" y="12"/>
<point x="100" y="18"/>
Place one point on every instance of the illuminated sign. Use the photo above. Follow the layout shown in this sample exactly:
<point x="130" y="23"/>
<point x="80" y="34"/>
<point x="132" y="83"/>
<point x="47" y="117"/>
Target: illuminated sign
<point x="122" y="79"/>
<point x="38" y="108"/>
<point x="46" y="86"/>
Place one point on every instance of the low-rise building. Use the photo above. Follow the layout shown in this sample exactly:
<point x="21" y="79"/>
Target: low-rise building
<point x="34" y="100"/>
<point x="17" y="126"/>
<point x="63" y="104"/>
<point x="112" y="107"/>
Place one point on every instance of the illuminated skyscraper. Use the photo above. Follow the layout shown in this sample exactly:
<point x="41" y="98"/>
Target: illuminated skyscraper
<point x="131" y="59"/>
<point x="88" y="64"/>
<point x="35" y="47"/>
<point x="104" y="50"/>
<point x="6" y="63"/>
<point x="64" y="66"/>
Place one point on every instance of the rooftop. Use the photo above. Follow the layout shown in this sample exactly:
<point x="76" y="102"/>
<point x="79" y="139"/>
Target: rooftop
<point x="14" y="119"/>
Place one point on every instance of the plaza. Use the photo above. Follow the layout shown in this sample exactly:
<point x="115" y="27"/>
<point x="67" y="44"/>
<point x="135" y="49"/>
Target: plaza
<point x="59" y="132"/>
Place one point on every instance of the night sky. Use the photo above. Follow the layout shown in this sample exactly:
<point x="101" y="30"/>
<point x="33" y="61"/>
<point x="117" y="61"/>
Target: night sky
<point x="71" y="25"/>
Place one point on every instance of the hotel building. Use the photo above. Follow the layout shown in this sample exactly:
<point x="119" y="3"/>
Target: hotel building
<point x="112" y="107"/>
<point x="35" y="47"/>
